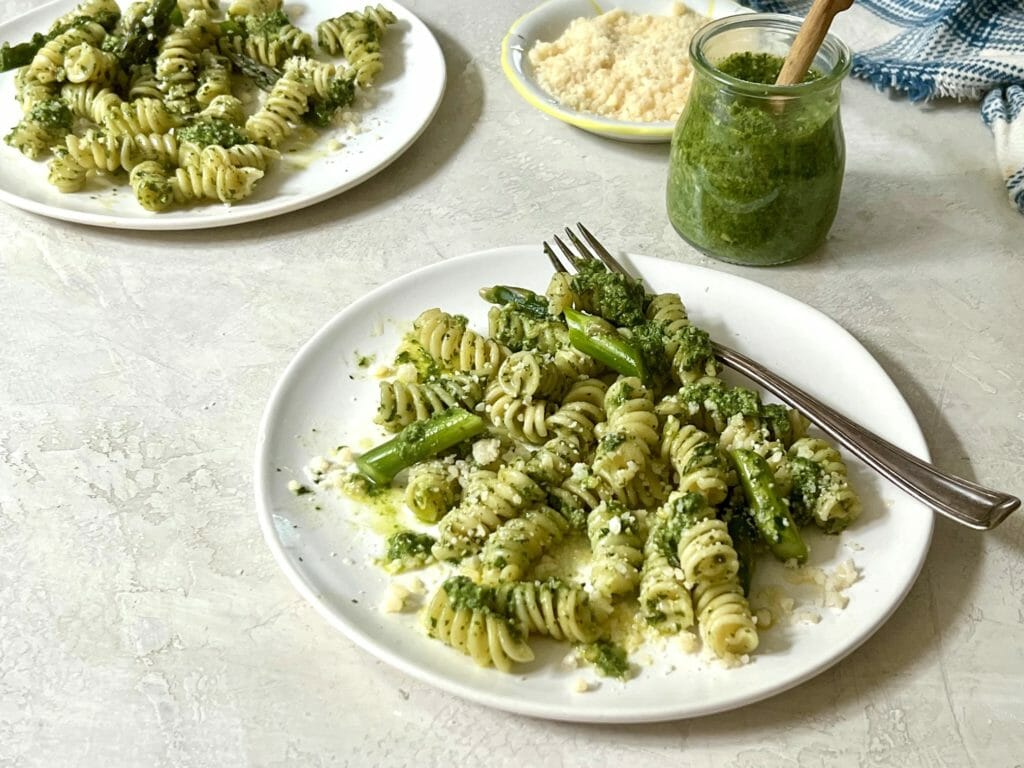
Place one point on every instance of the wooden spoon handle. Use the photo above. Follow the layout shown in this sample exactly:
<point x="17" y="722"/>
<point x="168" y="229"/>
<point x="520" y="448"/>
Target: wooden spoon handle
<point x="808" y="40"/>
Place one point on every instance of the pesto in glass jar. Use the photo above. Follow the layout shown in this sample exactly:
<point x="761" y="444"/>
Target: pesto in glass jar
<point x="756" y="169"/>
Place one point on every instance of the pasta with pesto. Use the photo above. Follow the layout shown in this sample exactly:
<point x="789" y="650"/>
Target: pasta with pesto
<point x="596" y="504"/>
<point x="100" y="83"/>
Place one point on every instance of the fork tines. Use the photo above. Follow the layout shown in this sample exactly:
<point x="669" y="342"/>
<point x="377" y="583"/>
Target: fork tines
<point x="583" y="253"/>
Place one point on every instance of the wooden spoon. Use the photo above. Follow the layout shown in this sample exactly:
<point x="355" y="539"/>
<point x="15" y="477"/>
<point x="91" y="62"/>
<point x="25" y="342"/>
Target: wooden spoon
<point x="808" y="40"/>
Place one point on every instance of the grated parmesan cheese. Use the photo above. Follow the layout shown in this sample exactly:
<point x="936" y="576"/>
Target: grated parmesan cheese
<point x="621" y="65"/>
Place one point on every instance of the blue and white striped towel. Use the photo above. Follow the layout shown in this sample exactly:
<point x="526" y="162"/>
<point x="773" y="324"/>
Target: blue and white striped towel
<point x="959" y="49"/>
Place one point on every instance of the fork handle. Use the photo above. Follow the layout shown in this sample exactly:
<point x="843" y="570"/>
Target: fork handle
<point x="961" y="500"/>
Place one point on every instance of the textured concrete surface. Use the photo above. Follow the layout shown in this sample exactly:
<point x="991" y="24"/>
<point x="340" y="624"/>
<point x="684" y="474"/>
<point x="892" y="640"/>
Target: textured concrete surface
<point x="142" y="619"/>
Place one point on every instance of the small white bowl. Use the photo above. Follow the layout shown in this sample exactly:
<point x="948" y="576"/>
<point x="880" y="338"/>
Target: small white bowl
<point x="547" y="21"/>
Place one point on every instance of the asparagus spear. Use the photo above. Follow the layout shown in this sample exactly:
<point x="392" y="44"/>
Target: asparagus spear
<point x="136" y="43"/>
<point x="770" y="515"/>
<point x="526" y="300"/>
<point x="599" y="339"/>
<point x="418" y="441"/>
<point x="262" y="75"/>
<point x="20" y="55"/>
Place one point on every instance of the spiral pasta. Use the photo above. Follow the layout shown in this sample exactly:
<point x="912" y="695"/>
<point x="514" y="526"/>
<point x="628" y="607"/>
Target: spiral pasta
<point x="528" y="373"/>
<point x="238" y="156"/>
<point x="666" y="311"/>
<point x="214" y="78"/>
<point x="88" y="100"/>
<point x="65" y="174"/>
<point x="698" y="462"/>
<point x="206" y="177"/>
<point x="357" y="37"/>
<point x="709" y="562"/>
<point x="151" y="185"/>
<point x="693" y="357"/>
<point x="517" y="543"/>
<point x="432" y="490"/>
<point x="462" y="615"/>
<point x="177" y="63"/>
<point x="253" y="7"/>
<point x="269" y="52"/>
<point x="522" y="417"/>
<point x="30" y="92"/>
<point x="48" y="63"/>
<point x="581" y="410"/>
<point x="577" y="495"/>
<point x="627" y="439"/>
<point x="724" y="618"/>
<point x="287" y="101"/>
<point x="825" y="495"/>
<point x="616" y="541"/>
<point x="560" y="294"/>
<point x="552" y="607"/>
<point x="124" y="118"/>
<point x="108" y="154"/>
<point x="402" y="403"/>
<point x="211" y="179"/>
<point x="43" y="127"/>
<point x="86" y="63"/>
<point x="665" y="600"/>
<point x="448" y="341"/>
<point x="555" y="459"/>
<point x="491" y="499"/>
<point x="89" y="9"/>
<point x="227" y="108"/>
<point x="143" y="83"/>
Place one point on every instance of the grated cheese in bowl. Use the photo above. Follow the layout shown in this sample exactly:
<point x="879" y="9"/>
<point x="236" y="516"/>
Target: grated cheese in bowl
<point x="627" y="66"/>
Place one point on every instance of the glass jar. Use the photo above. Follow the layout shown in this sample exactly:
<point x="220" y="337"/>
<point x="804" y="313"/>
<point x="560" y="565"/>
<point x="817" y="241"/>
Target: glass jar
<point x="756" y="169"/>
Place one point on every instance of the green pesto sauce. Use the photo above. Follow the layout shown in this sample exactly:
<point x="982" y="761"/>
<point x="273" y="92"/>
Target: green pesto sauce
<point x="211" y="131"/>
<point x="365" y="361"/>
<point x="609" y="658"/>
<point x="682" y="512"/>
<point x="53" y="115"/>
<point x="266" y="24"/>
<point x="404" y="545"/>
<point x="694" y="349"/>
<point x="776" y="418"/>
<point x="412" y="352"/>
<point x="617" y="298"/>
<point x="611" y="441"/>
<point x="807" y="479"/>
<point x="649" y="339"/>
<point x="758" y="67"/>
<point x="463" y="593"/>
<point x="755" y="180"/>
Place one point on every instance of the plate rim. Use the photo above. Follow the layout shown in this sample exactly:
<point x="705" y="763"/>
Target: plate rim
<point x="914" y="442"/>
<point x="227" y="217"/>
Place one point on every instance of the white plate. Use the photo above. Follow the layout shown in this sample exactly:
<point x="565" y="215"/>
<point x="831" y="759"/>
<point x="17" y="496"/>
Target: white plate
<point x="546" y="22"/>
<point x="405" y="97"/>
<point x="324" y="399"/>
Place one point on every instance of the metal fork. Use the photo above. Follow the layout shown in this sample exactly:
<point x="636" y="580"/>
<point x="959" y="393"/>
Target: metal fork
<point x="965" y="502"/>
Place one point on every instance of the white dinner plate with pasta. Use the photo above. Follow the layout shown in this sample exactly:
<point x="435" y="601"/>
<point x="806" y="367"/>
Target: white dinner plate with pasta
<point x="318" y="141"/>
<point x="331" y="546"/>
<point x="540" y="63"/>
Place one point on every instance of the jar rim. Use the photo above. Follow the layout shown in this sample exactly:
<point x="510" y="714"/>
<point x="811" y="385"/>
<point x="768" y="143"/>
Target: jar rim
<point x="839" y="50"/>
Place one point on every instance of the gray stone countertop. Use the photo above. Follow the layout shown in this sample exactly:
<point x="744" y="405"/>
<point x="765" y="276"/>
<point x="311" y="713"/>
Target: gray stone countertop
<point x="143" y="621"/>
